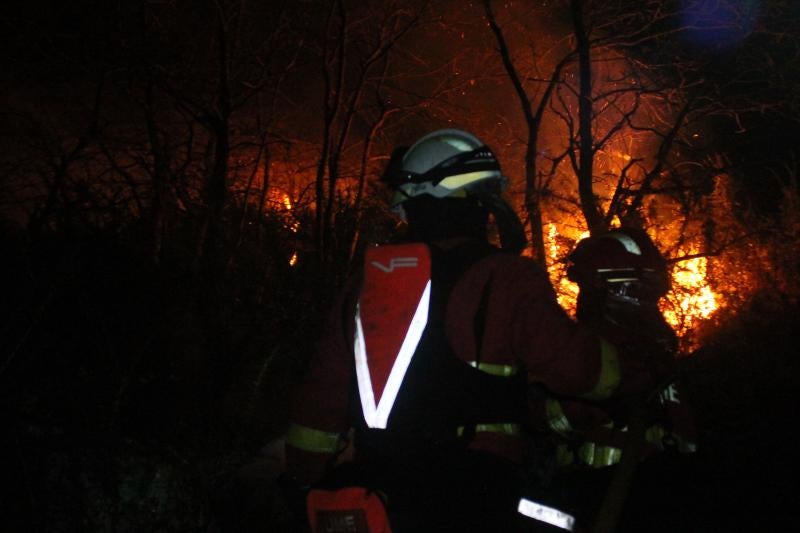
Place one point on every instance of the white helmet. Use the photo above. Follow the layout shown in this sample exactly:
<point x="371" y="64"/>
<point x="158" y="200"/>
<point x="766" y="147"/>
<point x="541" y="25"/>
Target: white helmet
<point x="445" y="163"/>
<point x="454" y="164"/>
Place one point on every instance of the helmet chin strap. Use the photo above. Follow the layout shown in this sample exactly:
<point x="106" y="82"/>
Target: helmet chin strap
<point x="512" y="233"/>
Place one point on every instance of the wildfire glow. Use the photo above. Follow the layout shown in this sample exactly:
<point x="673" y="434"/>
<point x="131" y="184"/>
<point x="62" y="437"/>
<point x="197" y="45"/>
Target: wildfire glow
<point x="566" y="290"/>
<point x="692" y="298"/>
<point x="293" y="225"/>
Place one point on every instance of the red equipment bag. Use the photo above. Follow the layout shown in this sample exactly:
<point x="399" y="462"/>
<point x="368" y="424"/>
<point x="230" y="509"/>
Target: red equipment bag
<point x="346" y="510"/>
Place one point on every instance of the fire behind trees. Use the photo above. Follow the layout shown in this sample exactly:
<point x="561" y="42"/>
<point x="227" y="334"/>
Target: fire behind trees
<point x="184" y="184"/>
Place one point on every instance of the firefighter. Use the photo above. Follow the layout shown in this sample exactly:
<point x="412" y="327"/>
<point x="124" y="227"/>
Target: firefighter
<point x="621" y="277"/>
<point x="417" y="393"/>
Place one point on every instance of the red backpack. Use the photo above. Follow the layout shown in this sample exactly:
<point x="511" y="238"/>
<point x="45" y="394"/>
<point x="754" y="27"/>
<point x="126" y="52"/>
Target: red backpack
<point x="346" y="510"/>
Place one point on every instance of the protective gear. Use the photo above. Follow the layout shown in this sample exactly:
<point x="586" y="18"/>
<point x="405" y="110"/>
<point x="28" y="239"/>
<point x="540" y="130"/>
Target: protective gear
<point x="453" y="164"/>
<point x="446" y="445"/>
<point x="347" y="509"/>
<point x="442" y="164"/>
<point x="521" y="327"/>
<point x="624" y="264"/>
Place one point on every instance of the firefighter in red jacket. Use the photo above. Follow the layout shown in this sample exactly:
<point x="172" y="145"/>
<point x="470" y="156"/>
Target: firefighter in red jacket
<point x="421" y="376"/>
<point x="621" y="276"/>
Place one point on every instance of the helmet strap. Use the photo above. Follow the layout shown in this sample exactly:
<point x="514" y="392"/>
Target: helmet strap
<point x="509" y="226"/>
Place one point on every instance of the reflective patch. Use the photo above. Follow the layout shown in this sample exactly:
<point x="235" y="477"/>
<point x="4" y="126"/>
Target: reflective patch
<point x="495" y="370"/>
<point x="462" y="180"/>
<point x="626" y="241"/>
<point x="546" y="514"/>
<point x="506" y="429"/>
<point x="599" y="456"/>
<point x="503" y="429"/>
<point x="669" y="394"/>
<point x="452" y="186"/>
<point x="556" y="418"/>
<point x="312" y="440"/>
<point x="608" y="380"/>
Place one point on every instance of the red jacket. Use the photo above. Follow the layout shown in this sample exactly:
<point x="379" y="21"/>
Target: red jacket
<point x="525" y="330"/>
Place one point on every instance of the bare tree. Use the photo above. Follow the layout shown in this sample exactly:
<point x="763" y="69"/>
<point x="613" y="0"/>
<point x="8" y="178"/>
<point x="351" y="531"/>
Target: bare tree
<point x="534" y="189"/>
<point x="355" y="55"/>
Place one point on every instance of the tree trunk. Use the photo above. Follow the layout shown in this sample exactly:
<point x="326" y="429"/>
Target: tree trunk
<point x="589" y="206"/>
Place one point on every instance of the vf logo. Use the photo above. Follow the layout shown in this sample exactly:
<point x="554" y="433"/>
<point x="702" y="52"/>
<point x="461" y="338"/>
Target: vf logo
<point x="396" y="262"/>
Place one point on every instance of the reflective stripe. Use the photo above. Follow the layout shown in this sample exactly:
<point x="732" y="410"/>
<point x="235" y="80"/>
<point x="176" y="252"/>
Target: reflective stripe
<point x="556" y="418"/>
<point x="626" y="241"/>
<point x="656" y="435"/>
<point x="589" y="454"/>
<point x="546" y="514"/>
<point x="376" y="416"/>
<point x="312" y="440"/>
<point x="599" y="456"/>
<point x="505" y="429"/>
<point x="608" y="380"/>
<point x="495" y="370"/>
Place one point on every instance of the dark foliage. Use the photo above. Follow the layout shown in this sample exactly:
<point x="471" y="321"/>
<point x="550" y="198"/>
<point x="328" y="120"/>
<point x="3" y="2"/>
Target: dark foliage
<point x="744" y="385"/>
<point x="133" y="393"/>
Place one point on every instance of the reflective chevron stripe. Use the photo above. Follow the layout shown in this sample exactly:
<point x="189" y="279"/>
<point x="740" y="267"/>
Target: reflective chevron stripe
<point x="377" y="416"/>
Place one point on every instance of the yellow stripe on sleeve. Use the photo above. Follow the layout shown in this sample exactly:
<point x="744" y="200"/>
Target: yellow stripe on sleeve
<point x="608" y="380"/>
<point x="312" y="440"/>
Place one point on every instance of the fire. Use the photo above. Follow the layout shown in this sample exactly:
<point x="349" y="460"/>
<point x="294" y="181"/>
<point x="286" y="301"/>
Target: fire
<point x="566" y="290"/>
<point x="691" y="299"/>
<point x="293" y="225"/>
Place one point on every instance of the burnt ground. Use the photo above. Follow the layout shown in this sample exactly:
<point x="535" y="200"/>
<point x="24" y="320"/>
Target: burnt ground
<point x="120" y="414"/>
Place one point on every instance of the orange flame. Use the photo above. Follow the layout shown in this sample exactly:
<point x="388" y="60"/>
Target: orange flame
<point x="692" y="299"/>
<point x="293" y="225"/>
